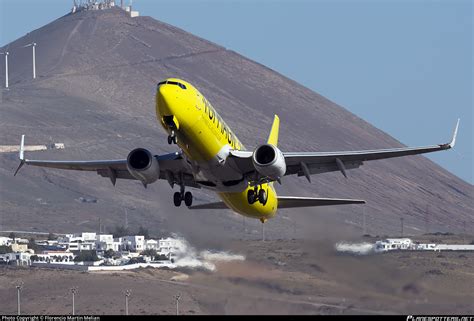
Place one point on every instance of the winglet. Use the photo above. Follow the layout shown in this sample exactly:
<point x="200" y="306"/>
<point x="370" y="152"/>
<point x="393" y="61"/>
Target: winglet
<point x="22" y="148"/>
<point x="21" y="154"/>
<point x="453" y="141"/>
<point x="273" y="137"/>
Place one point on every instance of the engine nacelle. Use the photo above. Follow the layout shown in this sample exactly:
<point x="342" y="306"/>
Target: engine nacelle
<point x="143" y="166"/>
<point x="269" y="161"/>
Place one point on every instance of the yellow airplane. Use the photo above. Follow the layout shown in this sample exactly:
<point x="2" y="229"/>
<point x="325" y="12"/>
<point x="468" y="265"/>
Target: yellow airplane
<point x="212" y="157"/>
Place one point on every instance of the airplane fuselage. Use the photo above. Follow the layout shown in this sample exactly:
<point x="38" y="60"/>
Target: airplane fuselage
<point x="206" y="141"/>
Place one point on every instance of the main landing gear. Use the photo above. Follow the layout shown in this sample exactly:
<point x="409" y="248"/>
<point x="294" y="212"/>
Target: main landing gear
<point x="257" y="194"/>
<point x="187" y="197"/>
<point x="172" y="138"/>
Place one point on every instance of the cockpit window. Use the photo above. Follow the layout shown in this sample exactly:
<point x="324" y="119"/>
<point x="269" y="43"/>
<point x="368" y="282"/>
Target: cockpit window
<point x="172" y="83"/>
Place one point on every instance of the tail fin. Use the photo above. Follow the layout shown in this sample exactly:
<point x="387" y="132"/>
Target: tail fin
<point x="273" y="137"/>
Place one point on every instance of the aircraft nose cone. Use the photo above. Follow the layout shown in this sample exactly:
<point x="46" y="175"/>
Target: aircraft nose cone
<point x="165" y="99"/>
<point x="163" y="92"/>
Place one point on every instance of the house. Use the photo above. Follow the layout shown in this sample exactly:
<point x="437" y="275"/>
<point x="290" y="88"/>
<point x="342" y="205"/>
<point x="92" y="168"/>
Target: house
<point x="21" y="241"/>
<point x="81" y="246"/>
<point x="135" y="243"/>
<point x="393" y="244"/>
<point x="17" y="247"/>
<point x="151" y="245"/>
<point x="104" y="242"/>
<point x="5" y="241"/>
<point x="78" y="242"/>
<point x="169" y="246"/>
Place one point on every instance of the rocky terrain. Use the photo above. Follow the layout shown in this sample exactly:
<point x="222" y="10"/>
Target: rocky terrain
<point x="97" y="73"/>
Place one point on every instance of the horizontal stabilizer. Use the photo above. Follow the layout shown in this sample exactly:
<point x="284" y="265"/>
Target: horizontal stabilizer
<point x="288" y="202"/>
<point x="209" y="206"/>
<point x="291" y="201"/>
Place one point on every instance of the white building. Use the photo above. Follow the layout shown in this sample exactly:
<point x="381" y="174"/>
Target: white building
<point x="169" y="246"/>
<point x="151" y="245"/>
<point x="393" y="244"/>
<point x="81" y="246"/>
<point x="454" y="247"/>
<point x="5" y="241"/>
<point x="104" y="242"/>
<point x="424" y="246"/>
<point x="133" y="13"/>
<point x="408" y="244"/>
<point x="81" y="242"/>
<point x="134" y="243"/>
<point x="19" y="240"/>
<point x="47" y="242"/>
<point x="117" y="245"/>
<point x="18" y="247"/>
<point x="89" y="237"/>
<point x="83" y="237"/>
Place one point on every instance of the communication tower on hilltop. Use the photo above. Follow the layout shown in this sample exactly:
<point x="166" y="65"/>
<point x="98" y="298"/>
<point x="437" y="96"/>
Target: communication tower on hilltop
<point x="81" y="5"/>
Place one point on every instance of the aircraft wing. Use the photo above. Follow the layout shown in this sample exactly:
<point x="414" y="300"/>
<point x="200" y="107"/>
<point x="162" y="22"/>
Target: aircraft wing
<point x="309" y="163"/>
<point x="171" y="165"/>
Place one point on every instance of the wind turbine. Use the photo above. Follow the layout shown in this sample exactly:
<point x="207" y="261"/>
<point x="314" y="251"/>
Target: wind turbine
<point x="33" y="45"/>
<point x="6" y="53"/>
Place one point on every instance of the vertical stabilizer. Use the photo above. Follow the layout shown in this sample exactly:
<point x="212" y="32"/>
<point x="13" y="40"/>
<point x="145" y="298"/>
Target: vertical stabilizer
<point x="273" y="137"/>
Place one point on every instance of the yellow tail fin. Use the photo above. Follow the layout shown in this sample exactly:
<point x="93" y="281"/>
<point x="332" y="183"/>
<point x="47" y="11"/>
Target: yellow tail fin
<point x="273" y="137"/>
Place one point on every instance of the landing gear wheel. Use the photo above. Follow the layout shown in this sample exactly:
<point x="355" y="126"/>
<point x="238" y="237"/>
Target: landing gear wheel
<point x="177" y="199"/>
<point x="251" y="196"/>
<point x="172" y="138"/>
<point x="262" y="196"/>
<point x="188" y="199"/>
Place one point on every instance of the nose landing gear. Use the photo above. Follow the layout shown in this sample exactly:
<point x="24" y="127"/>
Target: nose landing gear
<point x="257" y="194"/>
<point x="172" y="138"/>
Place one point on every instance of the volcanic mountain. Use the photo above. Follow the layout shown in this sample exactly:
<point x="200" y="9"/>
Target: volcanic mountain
<point x="97" y="75"/>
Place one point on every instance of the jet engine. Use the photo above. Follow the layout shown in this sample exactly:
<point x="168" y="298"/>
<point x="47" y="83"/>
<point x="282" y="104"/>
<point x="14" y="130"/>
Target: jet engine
<point x="143" y="166"/>
<point x="269" y="161"/>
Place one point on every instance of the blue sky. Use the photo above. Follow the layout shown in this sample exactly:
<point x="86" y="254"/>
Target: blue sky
<point x="404" y="66"/>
